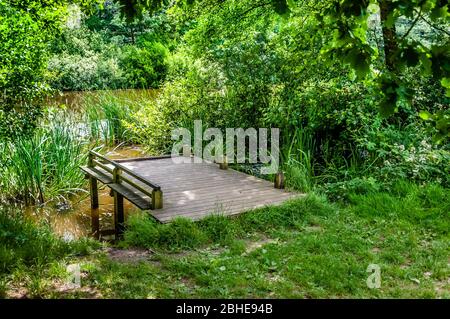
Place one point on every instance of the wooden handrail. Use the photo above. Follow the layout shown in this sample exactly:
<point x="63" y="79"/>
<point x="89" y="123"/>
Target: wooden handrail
<point x="122" y="168"/>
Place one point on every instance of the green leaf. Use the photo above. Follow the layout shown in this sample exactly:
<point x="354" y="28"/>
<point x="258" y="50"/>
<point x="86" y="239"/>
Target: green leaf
<point x="446" y="82"/>
<point x="424" y="115"/>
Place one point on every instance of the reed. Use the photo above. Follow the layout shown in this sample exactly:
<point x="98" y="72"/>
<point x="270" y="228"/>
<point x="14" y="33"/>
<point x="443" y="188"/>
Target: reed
<point x="298" y="162"/>
<point x="37" y="168"/>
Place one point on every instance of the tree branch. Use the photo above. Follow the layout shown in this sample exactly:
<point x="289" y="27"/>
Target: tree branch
<point x="434" y="26"/>
<point x="419" y="15"/>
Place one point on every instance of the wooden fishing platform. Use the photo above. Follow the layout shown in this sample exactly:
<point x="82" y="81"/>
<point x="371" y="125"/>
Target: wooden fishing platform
<point x="169" y="190"/>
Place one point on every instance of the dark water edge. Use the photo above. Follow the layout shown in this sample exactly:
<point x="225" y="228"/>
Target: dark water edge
<point x="75" y="100"/>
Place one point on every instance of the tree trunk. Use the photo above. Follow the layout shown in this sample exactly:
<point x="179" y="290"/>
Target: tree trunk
<point x="389" y="35"/>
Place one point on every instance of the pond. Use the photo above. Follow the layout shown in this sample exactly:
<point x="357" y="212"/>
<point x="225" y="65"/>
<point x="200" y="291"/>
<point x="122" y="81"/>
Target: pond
<point x="75" y="100"/>
<point x="72" y="219"/>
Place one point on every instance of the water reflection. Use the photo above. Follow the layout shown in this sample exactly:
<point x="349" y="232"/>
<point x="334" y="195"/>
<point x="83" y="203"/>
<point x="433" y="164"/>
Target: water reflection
<point x="75" y="100"/>
<point x="74" y="221"/>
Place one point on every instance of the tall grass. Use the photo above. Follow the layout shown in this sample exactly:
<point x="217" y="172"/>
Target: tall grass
<point x="106" y="114"/>
<point x="219" y="229"/>
<point x="44" y="166"/>
<point x="298" y="161"/>
<point x="40" y="167"/>
<point x="28" y="251"/>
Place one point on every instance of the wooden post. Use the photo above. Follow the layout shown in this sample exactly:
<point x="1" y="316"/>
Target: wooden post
<point x="279" y="180"/>
<point x="93" y="184"/>
<point x="95" y="223"/>
<point x="94" y="192"/>
<point x="90" y="160"/>
<point x="119" y="216"/>
<point x="224" y="164"/>
<point x="157" y="199"/>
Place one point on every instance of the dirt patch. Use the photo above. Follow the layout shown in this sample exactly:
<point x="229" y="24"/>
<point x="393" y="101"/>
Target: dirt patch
<point x="254" y="245"/>
<point x="132" y="255"/>
<point x="17" y="293"/>
<point x="376" y="250"/>
<point x="442" y="288"/>
<point x="64" y="288"/>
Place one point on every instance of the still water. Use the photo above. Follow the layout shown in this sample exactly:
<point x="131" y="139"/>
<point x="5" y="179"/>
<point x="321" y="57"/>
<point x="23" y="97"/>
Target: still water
<point x="72" y="219"/>
<point x="75" y="100"/>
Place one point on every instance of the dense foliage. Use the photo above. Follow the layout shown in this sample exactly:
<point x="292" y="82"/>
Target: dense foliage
<point x="100" y="50"/>
<point x="359" y="90"/>
<point x="25" y="29"/>
<point x="242" y="65"/>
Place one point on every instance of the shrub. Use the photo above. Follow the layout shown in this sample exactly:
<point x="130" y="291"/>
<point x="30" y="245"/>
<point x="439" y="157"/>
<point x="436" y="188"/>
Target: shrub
<point x="144" y="67"/>
<point x="405" y="153"/>
<point x="342" y="190"/>
<point x="91" y="71"/>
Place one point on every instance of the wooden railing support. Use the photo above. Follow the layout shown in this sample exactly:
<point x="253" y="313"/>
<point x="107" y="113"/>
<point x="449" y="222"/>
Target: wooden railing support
<point x="95" y="223"/>
<point x="224" y="164"/>
<point x="157" y="199"/>
<point x="122" y="184"/>
<point x="119" y="215"/>
<point x="279" y="180"/>
<point x="93" y="187"/>
<point x="119" y="209"/>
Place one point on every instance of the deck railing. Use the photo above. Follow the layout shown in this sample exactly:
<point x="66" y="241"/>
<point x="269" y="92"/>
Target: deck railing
<point x="124" y="183"/>
<point x="117" y="171"/>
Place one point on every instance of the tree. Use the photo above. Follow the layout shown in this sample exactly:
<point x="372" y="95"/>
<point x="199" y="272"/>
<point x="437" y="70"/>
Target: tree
<point x="349" y="21"/>
<point x="26" y="29"/>
<point x="400" y="50"/>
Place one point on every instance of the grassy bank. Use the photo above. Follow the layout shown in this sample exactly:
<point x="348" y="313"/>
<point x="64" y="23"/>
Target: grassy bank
<point x="32" y="257"/>
<point x="307" y="248"/>
<point x="43" y="166"/>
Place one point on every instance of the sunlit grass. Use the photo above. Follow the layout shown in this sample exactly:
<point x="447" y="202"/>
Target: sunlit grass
<point x="40" y="167"/>
<point x="306" y="248"/>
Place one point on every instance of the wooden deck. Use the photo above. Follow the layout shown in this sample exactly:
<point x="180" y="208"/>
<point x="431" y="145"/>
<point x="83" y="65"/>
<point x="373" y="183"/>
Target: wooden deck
<point x="169" y="190"/>
<point x="195" y="190"/>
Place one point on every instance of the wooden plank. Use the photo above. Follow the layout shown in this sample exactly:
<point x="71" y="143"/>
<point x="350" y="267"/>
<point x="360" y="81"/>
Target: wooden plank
<point x="219" y="205"/>
<point x="107" y="167"/>
<point x="102" y="176"/>
<point x="135" y="184"/>
<point x="216" y="189"/>
<point x="194" y="190"/>
<point x="142" y="202"/>
<point x="210" y="199"/>
<point x="231" y="210"/>
<point x="140" y="159"/>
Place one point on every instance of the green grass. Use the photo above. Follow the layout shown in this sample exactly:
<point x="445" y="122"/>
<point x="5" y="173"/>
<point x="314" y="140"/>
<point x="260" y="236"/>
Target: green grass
<point x="31" y="254"/>
<point x="184" y="234"/>
<point x="38" y="168"/>
<point x="107" y="112"/>
<point x="306" y="248"/>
